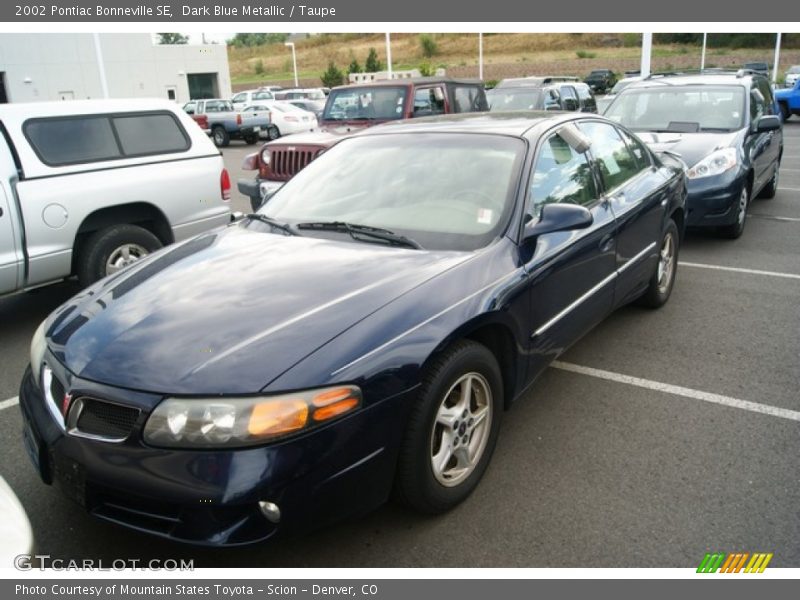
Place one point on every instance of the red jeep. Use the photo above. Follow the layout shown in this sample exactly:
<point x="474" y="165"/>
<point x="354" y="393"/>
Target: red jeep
<point x="351" y="108"/>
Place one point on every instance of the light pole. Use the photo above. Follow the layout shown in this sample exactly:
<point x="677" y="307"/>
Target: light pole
<point x="389" y="54"/>
<point x="294" y="62"/>
<point x="480" y="56"/>
<point x="703" y="55"/>
<point x="777" y="59"/>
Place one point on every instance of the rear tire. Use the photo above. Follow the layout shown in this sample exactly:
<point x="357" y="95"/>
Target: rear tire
<point x="110" y="249"/>
<point x="251" y="139"/>
<point x="785" y="112"/>
<point x="273" y="133"/>
<point x="220" y="137"/>
<point x="452" y="429"/>
<point x="661" y="283"/>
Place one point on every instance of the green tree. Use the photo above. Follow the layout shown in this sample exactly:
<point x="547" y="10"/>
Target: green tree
<point x="428" y="45"/>
<point x="249" y="40"/>
<point x="172" y="38"/>
<point x="373" y="64"/>
<point x="333" y="76"/>
<point x="354" y="66"/>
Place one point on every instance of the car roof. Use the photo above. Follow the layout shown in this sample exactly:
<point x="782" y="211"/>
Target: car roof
<point x="537" y="81"/>
<point x="516" y="123"/>
<point x="26" y="110"/>
<point x="706" y="78"/>
<point x="405" y="81"/>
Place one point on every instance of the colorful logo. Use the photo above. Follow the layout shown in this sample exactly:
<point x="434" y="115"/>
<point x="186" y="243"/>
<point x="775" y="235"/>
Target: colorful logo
<point x="734" y="562"/>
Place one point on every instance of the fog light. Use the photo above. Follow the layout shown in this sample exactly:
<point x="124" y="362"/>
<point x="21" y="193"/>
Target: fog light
<point x="270" y="510"/>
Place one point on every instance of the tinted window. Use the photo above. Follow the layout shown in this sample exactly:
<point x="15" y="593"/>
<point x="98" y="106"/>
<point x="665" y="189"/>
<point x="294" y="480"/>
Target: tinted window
<point x="515" y="99"/>
<point x="262" y="96"/>
<point x="150" y="134"/>
<point x="569" y="99"/>
<point x="616" y="163"/>
<point x="72" y="140"/>
<point x="240" y="97"/>
<point x="560" y="175"/>
<point x="218" y="106"/>
<point x="766" y="92"/>
<point x="91" y="138"/>
<point x="757" y="104"/>
<point x="429" y="101"/>
<point x="468" y="99"/>
<point x="552" y="100"/>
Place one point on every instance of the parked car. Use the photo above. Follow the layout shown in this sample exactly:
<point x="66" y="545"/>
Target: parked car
<point x="301" y="94"/>
<point x="604" y="101"/>
<point x="270" y="88"/>
<point x="89" y="186"/>
<point x="247" y="98"/>
<point x="362" y="333"/>
<point x="601" y="80"/>
<point x="288" y="118"/>
<point x="541" y="93"/>
<point x="725" y="126"/>
<point x="757" y="67"/>
<point x="789" y="100"/>
<point x="16" y="535"/>
<point x="224" y="123"/>
<point x="313" y="106"/>
<point x="354" y="107"/>
<point x="791" y="76"/>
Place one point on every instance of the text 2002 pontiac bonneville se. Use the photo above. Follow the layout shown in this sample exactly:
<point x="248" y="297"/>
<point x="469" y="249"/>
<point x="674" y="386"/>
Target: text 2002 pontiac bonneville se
<point x="361" y="334"/>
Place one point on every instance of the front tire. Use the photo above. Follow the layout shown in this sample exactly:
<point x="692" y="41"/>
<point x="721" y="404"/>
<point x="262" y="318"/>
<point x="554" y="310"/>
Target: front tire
<point x="109" y="250"/>
<point x="785" y="112"/>
<point x="735" y="229"/>
<point x="452" y="430"/>
<point x="661" y="283"/>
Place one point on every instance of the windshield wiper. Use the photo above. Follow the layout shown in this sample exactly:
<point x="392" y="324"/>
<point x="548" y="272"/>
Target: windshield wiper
<point x="272" y="222"/>
<point x="359" y="232"/>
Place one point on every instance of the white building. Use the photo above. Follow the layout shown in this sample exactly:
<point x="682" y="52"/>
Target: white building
<point x="63" y="66"/>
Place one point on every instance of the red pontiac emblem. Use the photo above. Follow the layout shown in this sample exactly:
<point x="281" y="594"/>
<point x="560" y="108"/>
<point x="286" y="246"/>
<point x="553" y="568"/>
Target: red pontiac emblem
<point x="65" y="405"/>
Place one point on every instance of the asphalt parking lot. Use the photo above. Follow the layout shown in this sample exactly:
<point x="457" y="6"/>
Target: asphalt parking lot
<point x="658" y="437"/>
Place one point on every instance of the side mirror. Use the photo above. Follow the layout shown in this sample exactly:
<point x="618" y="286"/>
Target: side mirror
<point x="767" y="123"/>
<point x="559" y="217"/>
<point x="570" y="104"/>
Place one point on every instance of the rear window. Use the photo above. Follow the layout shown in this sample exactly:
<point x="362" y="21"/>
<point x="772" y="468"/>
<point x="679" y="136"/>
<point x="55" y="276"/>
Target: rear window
<point x="80" y="139"/>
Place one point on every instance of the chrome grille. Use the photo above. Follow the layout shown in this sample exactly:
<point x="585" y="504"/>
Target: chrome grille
<point x="98" y="419"/>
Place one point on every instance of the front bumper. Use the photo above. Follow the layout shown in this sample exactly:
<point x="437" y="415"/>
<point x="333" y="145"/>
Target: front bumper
<point x="712" y="201"/>
<point x="258" y="190"/>
<point x="210" y="497"/>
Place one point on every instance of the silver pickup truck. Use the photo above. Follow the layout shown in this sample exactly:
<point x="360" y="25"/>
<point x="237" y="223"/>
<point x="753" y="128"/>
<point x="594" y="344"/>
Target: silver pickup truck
<point x="224" y="123"/>
<point x="90" y="186"/>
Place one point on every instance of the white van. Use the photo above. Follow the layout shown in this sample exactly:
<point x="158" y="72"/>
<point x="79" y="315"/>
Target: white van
<point x="89" y="186"/>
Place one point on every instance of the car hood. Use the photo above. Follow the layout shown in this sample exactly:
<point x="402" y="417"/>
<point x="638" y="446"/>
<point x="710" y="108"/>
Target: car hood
<point x="692" y="147"/>
<point x="231" y="310"/>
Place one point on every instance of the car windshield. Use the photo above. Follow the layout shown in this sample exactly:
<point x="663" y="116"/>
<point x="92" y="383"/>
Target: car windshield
<point x="685" y="108"/>
<point x="379" y="103"/>
<point x="315" y="95"/>
<point x="756" y="66"/>
<point x="514" y="99"/>
<point x="446" y="191"/>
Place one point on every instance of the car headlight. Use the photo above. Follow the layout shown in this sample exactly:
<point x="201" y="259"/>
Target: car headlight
<point x="265" y="156"/>
<point x="714" y="164"/>
<point x="38" y="347"/>
<point x="236" y="422"/>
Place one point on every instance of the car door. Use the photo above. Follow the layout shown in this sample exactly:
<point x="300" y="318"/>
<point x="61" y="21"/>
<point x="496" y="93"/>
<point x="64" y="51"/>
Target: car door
<point x="758" y="144"/>
<point x="774" y="139"/>
<point x="10" y="255"/>
<point x="571" y="273"/>
<point x="430" y="100"/>
<point x="637" y="196"/>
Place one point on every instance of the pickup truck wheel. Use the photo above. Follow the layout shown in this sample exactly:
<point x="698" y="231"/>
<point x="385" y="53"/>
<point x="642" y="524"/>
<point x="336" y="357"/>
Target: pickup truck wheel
<point x="109" y="250"/>
<point x="220" y="137"/>
<point x="273" y="133"/>
<point x="785" y="110"/>
<point x="251" y="139"/>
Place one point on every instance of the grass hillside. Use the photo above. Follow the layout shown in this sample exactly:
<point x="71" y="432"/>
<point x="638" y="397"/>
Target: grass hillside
<point x="505" y="55"/>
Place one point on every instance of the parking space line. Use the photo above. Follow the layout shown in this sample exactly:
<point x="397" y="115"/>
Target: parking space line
<point x="739" y="270"/>
<point x="788" y="169"/>
<point x="9" y="403"/>
<point x="774" y="218"/>
<point x="785" y="189"/>
<point x="675" y="390"/>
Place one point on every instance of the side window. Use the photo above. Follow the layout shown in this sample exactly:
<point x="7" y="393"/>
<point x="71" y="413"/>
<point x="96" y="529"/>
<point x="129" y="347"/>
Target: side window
<point x="757" y="104"/>
<point x="150" y="134"/>
<point x="569" y="98"/>
<point x="766" y="93"/>
<point x="428" y="101"/>
<point x="190" y="107"/>
<point x="213" y="107"/>
<point x="263" y="96"/>
<point x="552" y="101"/>
<point x="640" y="153"/>
<point x="240" y="98"/>
<point x="72" y="140"/>
<point x="468" y="99"/>
<point x="616" y="162"/>
<point x="560" y="175"/>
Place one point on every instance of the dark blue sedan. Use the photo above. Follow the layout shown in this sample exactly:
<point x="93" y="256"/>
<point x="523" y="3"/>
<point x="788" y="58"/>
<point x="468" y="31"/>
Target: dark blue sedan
<point x="361" y="335"/>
